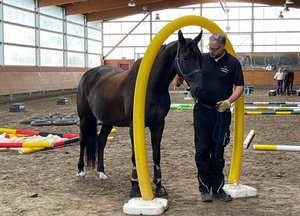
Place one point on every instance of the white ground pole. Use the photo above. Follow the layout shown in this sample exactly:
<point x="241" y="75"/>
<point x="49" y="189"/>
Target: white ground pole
<point x="239" y="190"/>
<point x="273" y="147"/>
<point x="188" y="97"/>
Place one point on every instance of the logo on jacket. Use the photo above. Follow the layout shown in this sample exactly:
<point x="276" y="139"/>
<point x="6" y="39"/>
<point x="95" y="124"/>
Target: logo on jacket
<point x="224" y="69"/>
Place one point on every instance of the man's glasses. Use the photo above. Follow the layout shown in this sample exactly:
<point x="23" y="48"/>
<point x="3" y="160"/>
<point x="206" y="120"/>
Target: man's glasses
<point x="214" y="49"/>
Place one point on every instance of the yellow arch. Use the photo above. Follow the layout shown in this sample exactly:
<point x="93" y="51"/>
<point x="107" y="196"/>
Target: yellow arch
<point x="140" y="97"/>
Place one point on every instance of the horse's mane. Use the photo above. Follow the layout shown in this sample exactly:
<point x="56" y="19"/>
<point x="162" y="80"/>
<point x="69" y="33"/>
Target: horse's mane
<point x="162" y="48"/>
<point x="165" y="46"/>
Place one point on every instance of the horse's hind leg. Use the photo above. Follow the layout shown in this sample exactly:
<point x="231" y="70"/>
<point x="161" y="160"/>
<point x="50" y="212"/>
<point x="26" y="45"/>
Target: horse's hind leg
<point x="102" y="139"/>
<point x="288" y="88"/>
<point x="80" y="175"/>
<point x="285" y="88"/>
<point x="135" y="190"/>
<point x="156" y="135"/>
<point x="88" y="129"/>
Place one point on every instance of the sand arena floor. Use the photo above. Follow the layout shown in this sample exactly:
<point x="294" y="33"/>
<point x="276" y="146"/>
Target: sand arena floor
<point x="43" y="183"/>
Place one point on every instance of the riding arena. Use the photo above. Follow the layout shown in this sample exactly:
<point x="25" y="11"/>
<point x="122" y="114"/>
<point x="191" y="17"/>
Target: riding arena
<point x="69" y="138"/>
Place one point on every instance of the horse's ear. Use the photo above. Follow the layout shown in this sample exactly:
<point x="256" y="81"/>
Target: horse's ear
<point x="198" y="38"/>
<point x="180" y="37"/>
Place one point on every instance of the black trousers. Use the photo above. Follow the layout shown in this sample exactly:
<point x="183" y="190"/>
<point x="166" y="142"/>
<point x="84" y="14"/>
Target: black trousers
<point x="211" y="136"/>
<point x="279" y="86"/>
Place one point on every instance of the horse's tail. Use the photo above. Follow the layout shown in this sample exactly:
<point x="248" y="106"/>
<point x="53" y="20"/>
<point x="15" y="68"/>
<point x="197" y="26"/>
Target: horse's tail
<point x="88" y="139"/>
<point x="88" y="124"/>
<point x="292" y="77"/>
<point x="292" y="80"/>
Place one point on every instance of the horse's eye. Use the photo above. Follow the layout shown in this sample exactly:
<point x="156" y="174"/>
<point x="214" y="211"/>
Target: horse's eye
<point x="185" y="58"/>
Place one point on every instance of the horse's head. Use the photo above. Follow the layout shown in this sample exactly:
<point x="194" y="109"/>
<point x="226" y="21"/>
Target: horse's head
<point x="188" y="62"/>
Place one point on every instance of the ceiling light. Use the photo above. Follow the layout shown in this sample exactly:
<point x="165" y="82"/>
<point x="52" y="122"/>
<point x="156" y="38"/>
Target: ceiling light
<point x="145" y="9"/>
<point x="131" y="3"/>
<point x="289" y="2"/>
<point x="280" y="15"/>
<point x="157" y="17"/>
<point x="286" y="8"/>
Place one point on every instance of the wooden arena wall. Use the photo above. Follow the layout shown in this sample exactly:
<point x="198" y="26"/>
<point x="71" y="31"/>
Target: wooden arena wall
<point x="22" y="79"/>
<point x="265" y="78"/>
<point x="122" y="63"/>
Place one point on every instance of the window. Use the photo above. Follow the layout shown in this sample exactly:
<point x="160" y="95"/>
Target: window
<point x="75" y="44"/>
<point x="18" y="16"/>
<point x="74" y="29"/>
<point x="26" y="4"/>
<point x="75" y="59"/>
<point x="51" y="24"/>
<point x="51" y="57"/>
<point x="51" y="40"/>
<point x="19" y="35"/>
<point x="94" y="60"/>
<point x="16" y="55"/>
<point x="94" y="46"/>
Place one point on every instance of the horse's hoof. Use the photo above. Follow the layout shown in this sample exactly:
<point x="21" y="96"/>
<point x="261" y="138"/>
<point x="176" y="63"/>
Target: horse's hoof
<point x="161" y="191"/>
<point x="80" y="176"/>
<point x="135" y="192"/>
<point x="102" y="176"/>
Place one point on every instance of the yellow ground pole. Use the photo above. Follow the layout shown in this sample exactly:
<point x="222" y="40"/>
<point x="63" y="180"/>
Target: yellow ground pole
<point x="27" y="150"/>
<point x="38" y="144"/>
<point x="265" y="147"/>
<point x="8" y="130"/>
<point x="140" y="97"/>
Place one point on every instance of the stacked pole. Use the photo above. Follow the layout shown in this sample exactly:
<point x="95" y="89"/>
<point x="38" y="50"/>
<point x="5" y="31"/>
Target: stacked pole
<point x="37" y="140"/>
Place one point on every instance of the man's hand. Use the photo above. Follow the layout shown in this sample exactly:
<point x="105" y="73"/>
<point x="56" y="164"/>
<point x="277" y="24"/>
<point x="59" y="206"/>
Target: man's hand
<point x="223" y="105"/>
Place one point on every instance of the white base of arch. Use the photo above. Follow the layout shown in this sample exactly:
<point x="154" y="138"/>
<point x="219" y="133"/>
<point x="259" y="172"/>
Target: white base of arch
<point x="138" y="206"/>
<point x="239" y="191"/>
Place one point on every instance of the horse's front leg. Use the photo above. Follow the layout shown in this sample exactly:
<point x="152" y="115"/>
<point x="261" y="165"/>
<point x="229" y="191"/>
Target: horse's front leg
<point x="102" y="139"/>
<point x="156" y="136"/>
<point x="135" y="189"/>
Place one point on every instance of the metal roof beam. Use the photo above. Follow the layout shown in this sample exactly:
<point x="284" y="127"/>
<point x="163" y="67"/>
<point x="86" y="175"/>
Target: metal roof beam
<point x="45" y="3"/>
<point x="102" y="5"/>
<point x="127" y="11"/>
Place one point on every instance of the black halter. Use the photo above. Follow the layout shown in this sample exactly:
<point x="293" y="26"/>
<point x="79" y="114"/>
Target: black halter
<point x="184" y="75"/>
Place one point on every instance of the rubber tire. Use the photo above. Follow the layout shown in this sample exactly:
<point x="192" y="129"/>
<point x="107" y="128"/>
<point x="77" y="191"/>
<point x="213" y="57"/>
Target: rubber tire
<point x="63" y="122"/>
<point x="41" y="123"/>
<point x="31" y="119"/>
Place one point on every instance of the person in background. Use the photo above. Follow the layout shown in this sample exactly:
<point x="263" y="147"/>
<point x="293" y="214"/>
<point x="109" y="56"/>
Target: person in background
<point x="279" y="77"/>
<point x="212" y="116"/>
<point x="269" y="67"/>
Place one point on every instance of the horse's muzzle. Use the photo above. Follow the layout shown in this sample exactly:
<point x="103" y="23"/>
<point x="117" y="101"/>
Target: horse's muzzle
<point x="196" y="92"/>
<point x="196" y="85"/>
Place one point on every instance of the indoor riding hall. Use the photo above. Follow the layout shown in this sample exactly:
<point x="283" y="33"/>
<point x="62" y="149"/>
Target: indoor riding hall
<point x="46" y="48"/>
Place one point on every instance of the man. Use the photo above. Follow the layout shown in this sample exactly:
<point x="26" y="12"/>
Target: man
<point x="279" y="77"/>
<point x="212" y="116"/>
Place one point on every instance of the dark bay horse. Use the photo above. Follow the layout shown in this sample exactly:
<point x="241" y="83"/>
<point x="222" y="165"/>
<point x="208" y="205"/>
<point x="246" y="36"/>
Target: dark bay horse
<point x="288" y="81"/>
<point x="106" y="93"/>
